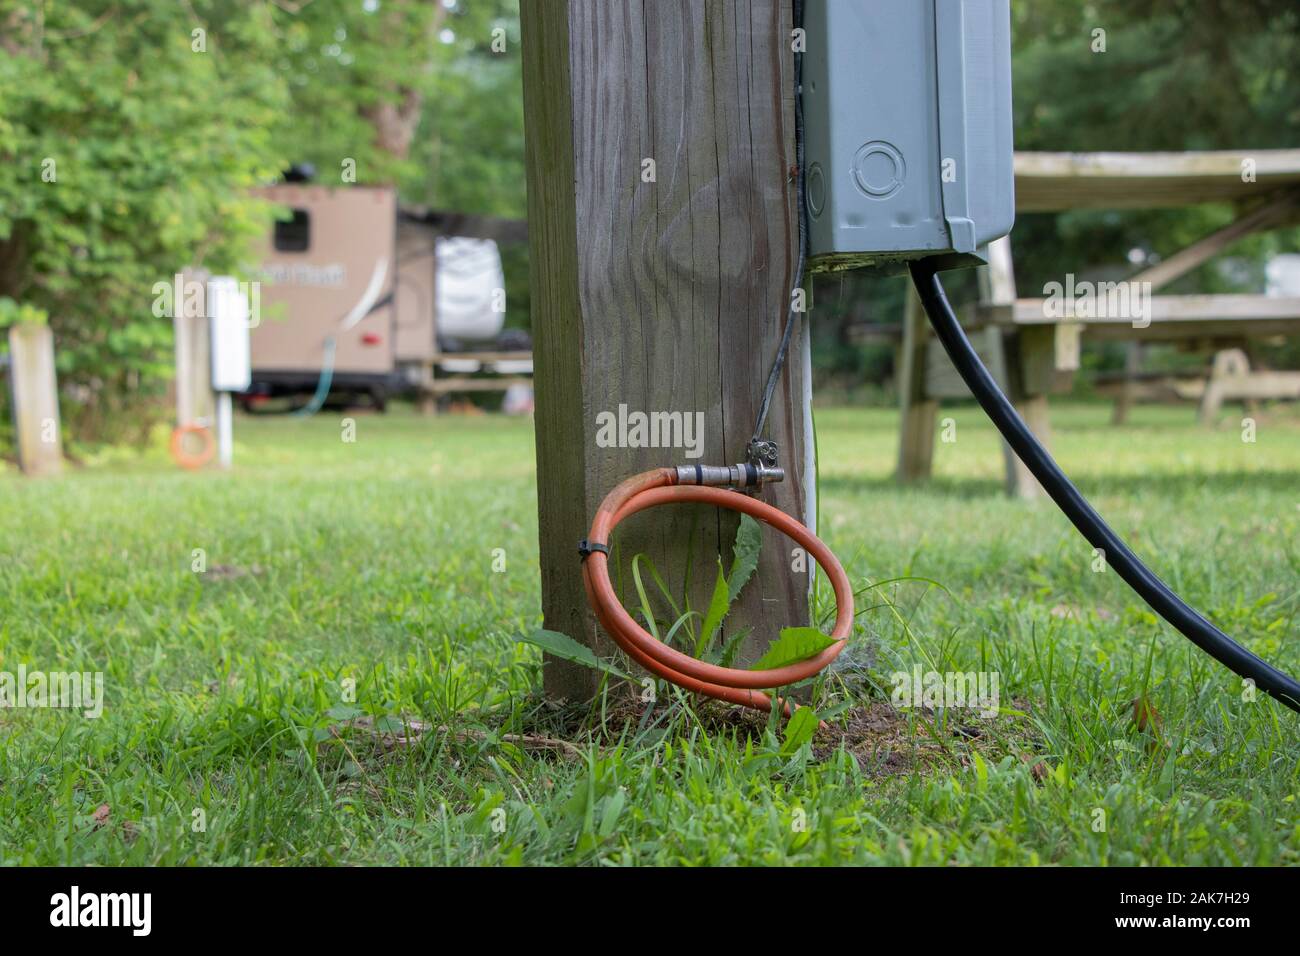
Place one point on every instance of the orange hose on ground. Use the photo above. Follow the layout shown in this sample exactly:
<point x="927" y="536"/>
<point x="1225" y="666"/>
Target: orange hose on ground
<point x="723" y="683"/>
<point x="184" y="458"/>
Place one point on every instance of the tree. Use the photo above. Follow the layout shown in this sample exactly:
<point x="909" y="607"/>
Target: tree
<point x="1113" y="75"/>
<point x="130" y="133"/>
<point x="383" y="83"/>
<point x="424" y="95"/>
<point x="1161" y="75"/>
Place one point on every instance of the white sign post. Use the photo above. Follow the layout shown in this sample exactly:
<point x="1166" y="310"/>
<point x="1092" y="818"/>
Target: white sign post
<point x="231" y="364"/>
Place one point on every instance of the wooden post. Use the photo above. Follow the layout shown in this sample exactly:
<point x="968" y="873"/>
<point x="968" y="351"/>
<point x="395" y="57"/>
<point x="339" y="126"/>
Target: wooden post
<point x="999" y="284"/>
<point x="662" y="225"/>
<point x="182" y="329"/>
<point x="181" y="387"/>
<point x="205" y="400"/>
<point x="918" y="411"/>
<point x="35" y="399"/>
<point x="428" y="404"/>
<point x="1229" y="366"/>
<point x="1127" y="396"/>
<point x="195" y="402"/>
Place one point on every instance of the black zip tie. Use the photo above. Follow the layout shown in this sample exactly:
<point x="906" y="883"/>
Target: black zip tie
<point x="585" y="548"/>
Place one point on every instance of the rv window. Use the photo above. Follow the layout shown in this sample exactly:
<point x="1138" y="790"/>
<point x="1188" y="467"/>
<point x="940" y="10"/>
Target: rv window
<point x="293" y="234"/>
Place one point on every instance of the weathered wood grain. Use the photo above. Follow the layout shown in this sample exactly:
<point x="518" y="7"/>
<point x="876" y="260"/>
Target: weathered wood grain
<point x="667" y="295"/>
<point x="1052" y="182"/>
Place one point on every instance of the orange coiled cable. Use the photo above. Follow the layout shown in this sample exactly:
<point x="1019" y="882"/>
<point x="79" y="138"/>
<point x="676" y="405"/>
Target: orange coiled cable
<point x="742" y="687"/>
<point x="192" y="461"/>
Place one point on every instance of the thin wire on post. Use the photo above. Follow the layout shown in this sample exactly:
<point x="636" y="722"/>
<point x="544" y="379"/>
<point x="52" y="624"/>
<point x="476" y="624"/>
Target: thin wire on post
<point x="801" y="201"/>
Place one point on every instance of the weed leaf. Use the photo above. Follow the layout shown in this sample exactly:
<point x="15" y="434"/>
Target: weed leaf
<point x="795" y="644"/>
<point x="799" y="730"/>
<point x="566" y="648"/>
<point x="749" y="539"/>
<point x="718" y="606"/>
<point x="726" y="655"/>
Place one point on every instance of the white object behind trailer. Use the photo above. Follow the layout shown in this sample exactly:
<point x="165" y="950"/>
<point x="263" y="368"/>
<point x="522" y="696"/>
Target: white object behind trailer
<point x="471" y="289"/>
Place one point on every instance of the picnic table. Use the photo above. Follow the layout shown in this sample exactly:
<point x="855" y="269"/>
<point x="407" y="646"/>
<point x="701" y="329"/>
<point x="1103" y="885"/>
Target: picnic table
<point x="1032" y="345"/>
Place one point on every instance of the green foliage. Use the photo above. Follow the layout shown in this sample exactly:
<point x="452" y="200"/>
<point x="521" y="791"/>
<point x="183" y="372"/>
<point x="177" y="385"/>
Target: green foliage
<point x="224" y="692"/>
<point x="1174" y="75"/>
<point x="400" y="85"/>
<point x="131" y="131"/>
<point x="719" y="604"/>
<point x="745" y="551"/>
<point x="14" y="313"/>
<point x="471" y="148"/>
<point x="1128" y="87"/>
<point x="795" y="644"/>
<point x="744" y="562"/>
<point x="1135" y="95"/>
<point x="800" y="729"/>
<point x="566" y="648"/>
<point x="125" y="156"/>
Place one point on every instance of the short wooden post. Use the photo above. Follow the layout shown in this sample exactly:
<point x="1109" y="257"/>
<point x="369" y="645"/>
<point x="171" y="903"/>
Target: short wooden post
<point x="916" y="428"/>
<point x="1229" y="366"/>
<point x="35" y="399"/>
<point x="662" y="224"/>
<point x="182" y="329"/>
<point x="1127" y="396"/>
<point x="427" y="404"/>
<point x="195" y="402"/>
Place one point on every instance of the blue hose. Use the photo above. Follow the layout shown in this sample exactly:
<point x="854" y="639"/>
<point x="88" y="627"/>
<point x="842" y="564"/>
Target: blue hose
<point x="322" y="384"/>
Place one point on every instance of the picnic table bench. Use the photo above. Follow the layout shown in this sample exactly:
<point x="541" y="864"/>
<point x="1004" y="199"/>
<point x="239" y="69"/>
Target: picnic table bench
<point x="1032" y="347"/>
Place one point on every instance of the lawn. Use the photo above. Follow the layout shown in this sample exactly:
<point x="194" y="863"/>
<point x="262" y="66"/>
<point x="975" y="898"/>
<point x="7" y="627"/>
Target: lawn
<point x="342" y="683"/>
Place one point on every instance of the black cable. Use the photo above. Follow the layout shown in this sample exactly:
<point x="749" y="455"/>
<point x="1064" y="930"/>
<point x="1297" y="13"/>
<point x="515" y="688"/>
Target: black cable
<point x="1138" y="576"/>
<point x="801" y="201"/>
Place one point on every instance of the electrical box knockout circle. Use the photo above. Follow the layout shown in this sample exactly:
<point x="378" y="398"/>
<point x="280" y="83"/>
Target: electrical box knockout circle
<point x="816" y="190"/>
<point x="878" y="169"/>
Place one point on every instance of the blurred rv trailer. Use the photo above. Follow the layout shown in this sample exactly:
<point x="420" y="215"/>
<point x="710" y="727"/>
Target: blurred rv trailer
<point x="360" y="298"/>
<point x="327" y="275"/>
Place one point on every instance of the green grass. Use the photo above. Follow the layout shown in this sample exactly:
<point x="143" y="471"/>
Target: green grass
<point x="371" y="562"/>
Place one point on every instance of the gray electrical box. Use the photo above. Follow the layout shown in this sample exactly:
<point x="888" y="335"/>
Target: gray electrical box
<point x="907" y="130"/>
